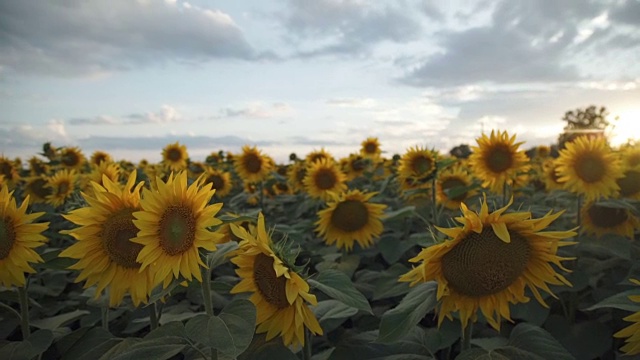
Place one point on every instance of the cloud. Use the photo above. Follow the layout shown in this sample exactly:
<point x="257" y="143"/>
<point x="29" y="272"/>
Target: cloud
<point x="256" y="110"/>
<point x="159" y="142"/>
<point x="77" y="38"/>
<point x="352" y="102"/>
<point x="166" y="114"/>
<point x="15" y="139"/>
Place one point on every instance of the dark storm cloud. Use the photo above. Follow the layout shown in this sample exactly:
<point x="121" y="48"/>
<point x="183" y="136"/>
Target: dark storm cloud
<point x="79" y="38"/>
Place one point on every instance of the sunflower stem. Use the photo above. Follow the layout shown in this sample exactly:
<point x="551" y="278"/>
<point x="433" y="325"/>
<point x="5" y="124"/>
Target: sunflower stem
<point x="153" y="315"/>
<point x="505" y="190"/>
<point x="578" y="215"/>
<point x="434" y="205"/>
<point x="466" y="337"/>
<point x="307" y="345"/>
<point x="261" y="195"/>
<point x="206" y="291"/>
<point x="24" y="312"/>
<point x="105" y="317"/>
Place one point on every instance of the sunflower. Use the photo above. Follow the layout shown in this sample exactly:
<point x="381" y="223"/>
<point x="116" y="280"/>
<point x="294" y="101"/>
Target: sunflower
<point x="296" y="174"/>
<point x="318" y="155"/>
<point x="370" y="148"/>
<point x="417" y="163"/>
<point x="589" y="167"/>
<point x="173" y="226"/>
<point x="251" y="165"/>
<point x="631" y="332"/>
<point x="62" y="185"/>
<point x="354" y="165"/>
<point x="496" y="160"/>
<point x="412" y="188"/>
<point x="106" y="255"/>
<point x="543" y="151"/>
<point x="598" y="219"/>
<point x="550" y="177"/>
<point x="18" y="237"/>
<point x="71" y="158"/>
<point x="521" y="256"/>
<point x="109" y="169"/>
<point x="322" y="178"/>
<point x="174" y="157"/>
<point x="196" y="168"/>
<point x="450" y="180"/>
<point x="36" y="188"/>
<point x="9" y="170"/>
<point x="349" y="218"/>
<point x="220" y="181"/>
<point x="629" y="183"/>
<point x="37" y="167"/>
<point x="99" y="157"/>
<point x="227" y="233"/>
<point x="279" y="293"/>
<point x="631" y="156"/>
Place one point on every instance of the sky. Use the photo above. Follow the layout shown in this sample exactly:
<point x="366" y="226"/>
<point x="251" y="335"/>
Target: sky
<point x="129" y="77"/>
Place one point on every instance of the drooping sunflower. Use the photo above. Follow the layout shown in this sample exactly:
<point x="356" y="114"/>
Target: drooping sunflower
<point x="588" y="166"/>
<point x="173" y="226"/>
<point x="36" y="188"/>
<point x="450" y="186"/>
<point x="252" y="165"/>
<point x="99" y="157"/>
<point x="174" y="157"/>
<point x="106" y="255"/>
<point x="72" y="158"/>
<point x="350" y="218"/>
<point x="370" y="148"/>
<point x="278" y="292"/>
<point x="598" y="219"/>
<point x="521" y="256"/>
<point x="220" y="181"/>
<point x="496" y="160"/>
<point x="324" y="177"/>
<point x="9" y="170"/>
<point x="631" y="332"/>
<point x="417" y="163"/>
<point x="62" y="184"/>
<point x="19" y="235"/>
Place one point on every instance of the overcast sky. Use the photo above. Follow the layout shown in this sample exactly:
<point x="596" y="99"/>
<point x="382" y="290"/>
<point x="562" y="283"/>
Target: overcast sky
<point x="129" y="77"/>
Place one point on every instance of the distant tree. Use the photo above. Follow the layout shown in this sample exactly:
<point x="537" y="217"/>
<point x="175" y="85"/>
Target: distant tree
<point x="590" y="121"/>
<point x="461" y="151"/>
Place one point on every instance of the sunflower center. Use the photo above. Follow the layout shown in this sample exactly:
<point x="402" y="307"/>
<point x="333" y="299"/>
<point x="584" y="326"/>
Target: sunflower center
<point x="357" y="164"/>
<point x="300" y="174"/>
<point x="174" y="154"/>
<point x="63" y="188"/>
<point x="217" y="182"/>
<point x="325" y="179"/>
<point x="7" y="170"/>
<point x="453" y="183"/>
<point x="272" y="288"/>
<point x="253" y="163"/>
<point x="116" y="234"/>
<point x="590" y="168"/>
<point x="607" y="217"/>
<point x="177" y="229"/>
<point x="350" y="216"/>
<point x="421" y="165"/>
<point x="499" y="159"/>
<point x="482" y="264"/>
<point x="7" y="237"/>
<point x="70" y="159"/>
<point x="630" y="183"/>
<point x="371" y="148"/>
<point x="37" y="187"/>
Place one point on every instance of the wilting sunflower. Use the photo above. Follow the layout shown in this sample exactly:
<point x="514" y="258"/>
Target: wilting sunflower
<point x="72" y="158"/>
<point x="496" y="160"/>
<point x="9" y="170"/>
<point x="598" y="219"/>
<point x="62" y="185"/>
<point x="550" y="177"/>
<point x="173" y="226"/>
<point x="106" y="255"/>
<point x="296" y="174"/>
<point x="370" y="148"/>
<point x="36" y="188"/>
<point x="629" y="183"/>
<point x="450" y="185"/>
<point x="99" y="157"/>
<point x="324" y="177"/>
<point x="521" y="256"/>
<point x="174" y="156"/>
<point x="350" y="218"/>
<point x="251" y="165"/>
<point x="18" y="237"/>
<point x="417" y="163"/>
<point x="589" y="167"/>
<point x="318" y="155"/>
<point x="220" y="181"/>
<point x="631" y="332"/>
<point x="279" y="293"/>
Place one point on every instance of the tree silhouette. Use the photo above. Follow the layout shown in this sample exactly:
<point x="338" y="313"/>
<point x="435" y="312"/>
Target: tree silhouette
<point x="590" y="121"/>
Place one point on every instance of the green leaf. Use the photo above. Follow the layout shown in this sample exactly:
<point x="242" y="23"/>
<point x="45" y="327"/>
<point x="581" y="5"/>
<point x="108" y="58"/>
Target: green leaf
<point x="397" y="322"/>
<point x="219" y="257"/>
<point x="57" y="321"/>
<point x="618" y="301"/>
<point x="86" y="343"/>
<point x="35" y="345"/>
<point x="198" y="329"/>
<point x="585" y="340"/>
<point x="338" y="286"/>
<point x="399" y="214"/>
<point x="260" y="349"/>
<point x="332" y="313"/>
<point x="538" y="341"/>
<point x="387" y="284"/>
<point x="155" y="349"/>
<point x="480" y="354"/>
<point x="490" y="343"/>
<point x="120" y="348"/>
<point x="233" y="329"/>
<point x="393" y="248"/>
<point x="175" y="328"/>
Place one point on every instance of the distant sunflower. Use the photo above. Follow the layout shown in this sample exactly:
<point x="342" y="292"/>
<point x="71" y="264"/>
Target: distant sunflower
<point x="354" y="166"/>
<point x="62" y="184"/>
<point x="324" y="177"/>
<point x="251" y="165"/>
<point x="106" y="255"/>
<point x="36" y="188"/>
<point x="521" y="256"/>
<point x="589" y="167"/>
<point x="350" y="218"/>
<point x="450" y="185"/>
<point x="318" y="155"/>
<point x="631" y="156"/>
<point x="543" y="151"/>
<point x="281" y="188"/>
<point x="37" y="167"/>
<point x="174" y="156"/>
<point x="173" y="226"/>
<point x="370" y="148"/>
<point x="296" y="174"/>
<point x="278" y="292"/>
<point x="496" y="160"/>
<point x="631" y="332"/>
<point x="417" y="163"/>
<point x="629" y="183"/>
<point x="109" y="169"/>
<point x="220" y="181"/>
<point x="99" y="157"/>
<point x="72" y="158"/>
<point x="18" y="237"/>
<point x="598" y="219"/>
<point x="9" y="170"/>
<point x="550" y="177"/>
<point x="196" y="168"/>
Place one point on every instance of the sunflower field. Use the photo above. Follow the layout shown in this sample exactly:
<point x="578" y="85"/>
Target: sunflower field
<point x="498" y="254"/>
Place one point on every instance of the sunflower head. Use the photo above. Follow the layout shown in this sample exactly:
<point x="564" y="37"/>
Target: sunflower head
<point x="631" y="156"/>
<point x="174" y="156"/>
<point x="220" y="181"/>
<point x="632" y="343"/>
<point x="370" y="148"/>
<point x="109" y="169"/>
<point x="521" y="256"/>
<point x="599" y="219"/>
<point x="318" y="155"/>
<point x="324" y="177"/>
<point x="37" y="167"/>
<point x="100" y="156"/>
<point x="72" y="158"/>
<point x="543" y="151"/>
<point x="252" y="165"/>
<point x="417" y="163"/>
<point x="451" y="187"/>
<point x="37" y="189"/>
<point x="629" y="183"/>
<point x="296" y="174"/>
<point x="355" y="165"/>
<point x="62" y="184"/>
<point x="9" y="170"/>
